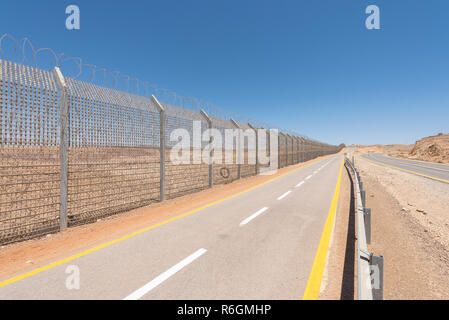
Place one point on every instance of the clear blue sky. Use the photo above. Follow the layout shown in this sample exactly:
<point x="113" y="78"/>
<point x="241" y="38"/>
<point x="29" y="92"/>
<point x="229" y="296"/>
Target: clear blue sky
<point x="309" y="66"/>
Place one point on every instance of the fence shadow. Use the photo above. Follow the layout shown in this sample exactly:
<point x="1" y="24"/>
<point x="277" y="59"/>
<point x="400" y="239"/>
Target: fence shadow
<point x="347" y="286"/>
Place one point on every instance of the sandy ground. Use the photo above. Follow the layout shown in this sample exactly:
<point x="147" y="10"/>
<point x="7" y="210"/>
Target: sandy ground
<point x="391" y="149"/>
<point x="410" y="229"/>
<point x="25" y="256"/>
<point x="339" y="279"/>
<point x="421" y="199"/>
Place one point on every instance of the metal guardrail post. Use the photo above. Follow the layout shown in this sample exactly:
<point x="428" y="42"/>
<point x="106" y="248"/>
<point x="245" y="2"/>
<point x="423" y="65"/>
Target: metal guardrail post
<point x="257" y="147"/>
<point x="63" y="148"/>
<point x="161" y="110"/>
<point x="367" y="219"/>
<point x="363" y="195"/>
<point x="377" y="274"/>
<point x="239" y="149"/>
<point x="211" y="165"/>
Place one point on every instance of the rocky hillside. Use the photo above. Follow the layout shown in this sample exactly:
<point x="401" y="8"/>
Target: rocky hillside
<point x="435" y="149"/>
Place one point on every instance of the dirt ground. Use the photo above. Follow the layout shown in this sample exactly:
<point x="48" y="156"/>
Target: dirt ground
<point x="410" y="229"/>
<point x="25" y="256"/>
<point x="391" y="149"/>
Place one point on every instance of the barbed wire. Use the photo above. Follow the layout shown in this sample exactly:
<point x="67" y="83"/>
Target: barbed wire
<point x="24" y="52"/>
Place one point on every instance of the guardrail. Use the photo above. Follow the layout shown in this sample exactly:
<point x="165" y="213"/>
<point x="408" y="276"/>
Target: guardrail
<point x="370" y="267"/>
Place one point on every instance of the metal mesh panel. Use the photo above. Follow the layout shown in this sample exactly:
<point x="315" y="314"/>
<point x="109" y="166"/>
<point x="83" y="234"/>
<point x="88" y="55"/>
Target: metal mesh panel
<point x="290" y="151"/>
<point x="283" y="151"/>
<point x="113" y="153"/>
<point x="249" y="154"/>
<point x="266" y="136"/>
<point x="225" y="172"/>
<point x="182" y="178"/>
<point x="296" y="151"/>
<point x="29" y="156"/>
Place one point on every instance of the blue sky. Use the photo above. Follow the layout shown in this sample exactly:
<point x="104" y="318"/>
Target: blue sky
<point x="309" y="66"/>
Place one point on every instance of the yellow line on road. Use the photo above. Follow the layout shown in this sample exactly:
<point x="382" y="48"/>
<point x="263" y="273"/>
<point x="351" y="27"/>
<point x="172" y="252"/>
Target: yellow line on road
<point x="81" y="254"/>
<point x="405" y="170"/>
<point x="316" y="275"/>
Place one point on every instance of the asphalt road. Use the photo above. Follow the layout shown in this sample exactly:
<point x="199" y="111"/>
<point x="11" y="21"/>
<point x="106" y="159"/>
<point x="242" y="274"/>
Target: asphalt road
<point x="260" y="244"/>
<point x="431" y="170"/>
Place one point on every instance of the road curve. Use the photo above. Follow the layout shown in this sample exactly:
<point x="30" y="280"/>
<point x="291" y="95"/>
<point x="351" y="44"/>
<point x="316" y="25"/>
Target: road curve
<point x="260" y="244"/>
<point x="435" y="171"/>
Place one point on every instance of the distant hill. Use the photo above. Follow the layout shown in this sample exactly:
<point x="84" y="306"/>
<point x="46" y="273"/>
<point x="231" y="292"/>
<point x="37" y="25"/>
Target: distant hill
<point x="435" y="149"/>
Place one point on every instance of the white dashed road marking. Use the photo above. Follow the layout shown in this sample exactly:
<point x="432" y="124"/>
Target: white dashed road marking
<point x="139" y="293"/>
<point x="284" y="195"/>
<point x="251" y="217"/>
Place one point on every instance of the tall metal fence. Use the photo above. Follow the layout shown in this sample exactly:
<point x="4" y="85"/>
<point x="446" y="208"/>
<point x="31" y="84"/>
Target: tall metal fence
<point x="72" y="152"/>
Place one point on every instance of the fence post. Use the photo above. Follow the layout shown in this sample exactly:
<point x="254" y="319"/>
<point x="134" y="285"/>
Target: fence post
<point x="257" y="147"/>
<point x="211" y="166"/>
<point x="239" y="146"/>
<point x="161" y="110"/>
<point x="286" y="149"/>
<point x="63" y="148"/>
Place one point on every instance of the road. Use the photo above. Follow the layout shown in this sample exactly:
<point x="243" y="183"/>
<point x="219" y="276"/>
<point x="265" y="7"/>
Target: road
<point x="435" y="171"/>
<point x="260" y="244"/>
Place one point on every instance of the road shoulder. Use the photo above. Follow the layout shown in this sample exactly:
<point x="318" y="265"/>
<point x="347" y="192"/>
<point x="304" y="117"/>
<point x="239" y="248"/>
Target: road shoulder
<point x="338" y="280"/>
<point x="408" y="229"/>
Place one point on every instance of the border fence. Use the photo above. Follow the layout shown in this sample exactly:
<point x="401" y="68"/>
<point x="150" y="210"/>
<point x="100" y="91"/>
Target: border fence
<point x="72" y="152"/>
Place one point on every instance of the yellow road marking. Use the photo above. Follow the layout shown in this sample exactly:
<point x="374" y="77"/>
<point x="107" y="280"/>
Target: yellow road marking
<point x="316" y="275"/>
<point x="409" y="171"/>
<point x="78" y="255"/>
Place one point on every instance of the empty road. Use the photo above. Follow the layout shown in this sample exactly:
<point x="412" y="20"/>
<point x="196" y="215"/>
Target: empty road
<point x="260" y="244"/>
<point x="435" y="171"/>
